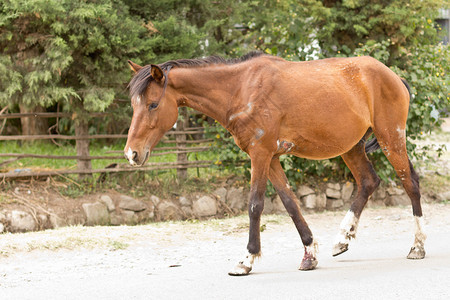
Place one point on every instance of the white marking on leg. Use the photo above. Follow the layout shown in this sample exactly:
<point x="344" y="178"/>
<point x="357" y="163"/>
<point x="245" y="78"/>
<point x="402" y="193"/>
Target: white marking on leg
<point x="350" y="222"/>
<point x="348" y="227"/>
<point x="419" y="236"/>
<point x="309" y="261"/>
<point x="244" y="266"/>
<point x="249" y="259"/>
<point x="312" y="249"/>
<point x="401" y="132"/>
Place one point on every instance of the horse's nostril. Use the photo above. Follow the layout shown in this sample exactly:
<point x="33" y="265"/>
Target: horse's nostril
<point x="135" y="155"/>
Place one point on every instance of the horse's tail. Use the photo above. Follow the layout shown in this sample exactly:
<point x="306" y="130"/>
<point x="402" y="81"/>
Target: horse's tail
<point x="373" y="145"/>
<point x="407" y="86"/>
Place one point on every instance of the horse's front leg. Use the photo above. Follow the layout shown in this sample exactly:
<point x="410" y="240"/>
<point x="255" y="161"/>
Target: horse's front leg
<point x="259" y="175"/>
<point x="290" y="202"/>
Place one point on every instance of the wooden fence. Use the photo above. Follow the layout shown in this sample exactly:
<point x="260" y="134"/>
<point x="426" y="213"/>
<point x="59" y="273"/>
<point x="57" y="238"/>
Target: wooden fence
<point x="179" y="137"/>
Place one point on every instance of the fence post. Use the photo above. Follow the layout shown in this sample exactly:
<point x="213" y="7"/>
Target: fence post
<point x="182" y="124"/>
<point x="33" y="125"/>
<point x="82" y="145"/>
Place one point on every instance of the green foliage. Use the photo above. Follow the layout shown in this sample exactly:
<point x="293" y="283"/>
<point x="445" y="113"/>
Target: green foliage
<point x="73" y="52"/>
<point x="187" y="29"/>
<point x="68" y="52"/>
<point x="229" y="154"/>
<point x="280" y="28"/>
<point x="308" y="29"/>
<point x="345" y="25"/>
<point x="426" y="69"/>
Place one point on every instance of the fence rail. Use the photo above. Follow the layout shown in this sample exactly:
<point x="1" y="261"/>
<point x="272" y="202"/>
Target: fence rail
<point x="83" y="137"/>
<point x="179" y="137"/>
<point x="194" y="164"/>
<point x="45" y="115"/>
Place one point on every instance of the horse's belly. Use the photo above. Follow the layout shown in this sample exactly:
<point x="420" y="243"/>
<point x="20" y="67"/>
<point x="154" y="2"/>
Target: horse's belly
<point x="326" y="128"/>
<point x="317" y="151"/>
<point x="317" y="139"/>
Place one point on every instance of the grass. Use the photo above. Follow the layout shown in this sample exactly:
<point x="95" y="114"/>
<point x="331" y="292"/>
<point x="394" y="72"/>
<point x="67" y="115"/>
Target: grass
<point x="162" y="183"/>
<point x="49" y="148"/>
<point x="4" y="199"/>
<point x="96" y="149"/>
<point x="435" y="183"/>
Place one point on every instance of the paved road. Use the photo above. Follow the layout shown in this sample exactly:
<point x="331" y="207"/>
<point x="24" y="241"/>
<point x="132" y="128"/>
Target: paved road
<point x="175" y="264"/>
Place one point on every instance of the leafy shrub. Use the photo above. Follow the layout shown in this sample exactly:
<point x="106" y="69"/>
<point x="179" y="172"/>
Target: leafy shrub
<point x="426" y="69"/>
<point x="229" y="154"/>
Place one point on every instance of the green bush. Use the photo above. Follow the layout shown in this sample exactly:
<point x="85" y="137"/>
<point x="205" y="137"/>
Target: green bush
<point x="426" y="69"/>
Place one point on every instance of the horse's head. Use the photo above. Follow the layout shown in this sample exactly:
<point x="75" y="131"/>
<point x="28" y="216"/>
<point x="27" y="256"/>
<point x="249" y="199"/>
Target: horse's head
<point x="154" y="111"/>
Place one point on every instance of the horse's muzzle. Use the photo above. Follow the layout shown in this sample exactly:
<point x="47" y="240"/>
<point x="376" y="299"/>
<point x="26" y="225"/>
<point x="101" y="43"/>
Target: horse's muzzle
<point x="134" y="158"/>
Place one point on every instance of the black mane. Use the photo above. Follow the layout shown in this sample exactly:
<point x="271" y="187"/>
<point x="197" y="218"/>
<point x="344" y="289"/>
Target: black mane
<point x="141" y="79"/>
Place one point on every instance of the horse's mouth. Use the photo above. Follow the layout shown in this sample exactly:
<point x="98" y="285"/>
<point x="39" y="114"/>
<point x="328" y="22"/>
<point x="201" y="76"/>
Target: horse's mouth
<point x="146" y="158"/>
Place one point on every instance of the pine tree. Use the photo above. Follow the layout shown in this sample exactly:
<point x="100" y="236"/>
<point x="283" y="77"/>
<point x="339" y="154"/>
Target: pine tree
<point x="70" y="52"/>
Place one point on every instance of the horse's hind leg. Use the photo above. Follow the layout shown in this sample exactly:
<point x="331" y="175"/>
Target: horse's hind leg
<point x="367" y="181"/>
<point x="393" y="145"/>
<point x="280" y="182"/>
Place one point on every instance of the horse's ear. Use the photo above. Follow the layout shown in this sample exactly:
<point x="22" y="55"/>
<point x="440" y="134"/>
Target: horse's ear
<point x="134" y="67"/>
<point x="157" y="73"/>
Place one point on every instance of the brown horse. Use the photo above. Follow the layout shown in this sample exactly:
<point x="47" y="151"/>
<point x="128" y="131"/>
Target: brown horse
<point x="315" y="109"/>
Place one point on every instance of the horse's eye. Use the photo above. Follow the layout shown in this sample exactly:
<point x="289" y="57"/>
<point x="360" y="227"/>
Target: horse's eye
<point x="153" y="105"/>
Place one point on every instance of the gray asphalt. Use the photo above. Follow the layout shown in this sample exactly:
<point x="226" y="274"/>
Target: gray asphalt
<point x="375" y="267"/>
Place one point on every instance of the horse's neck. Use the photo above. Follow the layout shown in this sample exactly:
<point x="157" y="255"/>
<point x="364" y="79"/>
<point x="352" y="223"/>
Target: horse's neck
<point x="207" y="90"/>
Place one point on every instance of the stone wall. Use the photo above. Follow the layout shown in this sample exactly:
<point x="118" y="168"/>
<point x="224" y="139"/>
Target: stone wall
<point x="118" y="209"/>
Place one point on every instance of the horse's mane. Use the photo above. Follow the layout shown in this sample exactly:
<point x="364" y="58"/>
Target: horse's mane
<point x="141" y="79"/>
<point x="211" y="60"/>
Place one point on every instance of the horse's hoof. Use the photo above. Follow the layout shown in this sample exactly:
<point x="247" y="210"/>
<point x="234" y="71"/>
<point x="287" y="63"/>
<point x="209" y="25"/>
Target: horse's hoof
<point x="308" y="263"/>
<point x="416" y="253"/>
<point x="240" y="270"/>
<point x="339" y="248"/>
